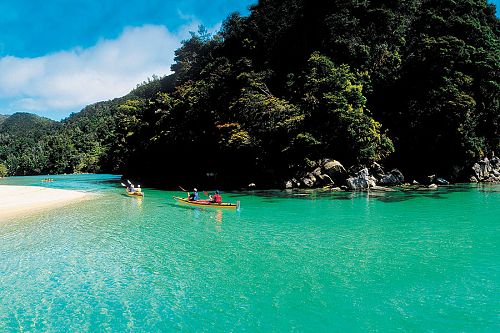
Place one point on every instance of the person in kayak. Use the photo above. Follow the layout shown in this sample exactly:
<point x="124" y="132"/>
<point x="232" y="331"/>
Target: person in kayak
<point x="216" y="198"/>
<point x="130" y="188"/>
<point x="194" y="196"/>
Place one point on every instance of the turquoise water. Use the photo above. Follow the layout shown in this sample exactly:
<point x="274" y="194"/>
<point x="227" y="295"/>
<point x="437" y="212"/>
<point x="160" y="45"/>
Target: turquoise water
<point x="414" y="261"/>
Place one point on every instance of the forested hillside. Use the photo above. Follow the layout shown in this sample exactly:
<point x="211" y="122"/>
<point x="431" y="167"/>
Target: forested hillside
<point x="411" y="83"/>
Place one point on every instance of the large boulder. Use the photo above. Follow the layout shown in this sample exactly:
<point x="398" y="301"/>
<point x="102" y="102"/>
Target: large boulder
<point x="482" y="169"/>
<point x="335" y="170"/>
<point x="395" y="177"/>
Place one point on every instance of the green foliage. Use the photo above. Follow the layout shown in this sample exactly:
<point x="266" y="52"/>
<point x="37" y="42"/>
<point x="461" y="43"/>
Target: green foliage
<point x="335" y="104"/>
<point x="402" y="82"/>
<point x="3" y="170"/>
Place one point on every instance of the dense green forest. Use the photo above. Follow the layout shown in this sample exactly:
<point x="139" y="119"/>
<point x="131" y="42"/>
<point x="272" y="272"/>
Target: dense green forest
<point x="409" y="83"/>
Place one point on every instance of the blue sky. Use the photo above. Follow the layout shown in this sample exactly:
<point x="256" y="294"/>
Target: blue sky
<point x="56" y="56"/>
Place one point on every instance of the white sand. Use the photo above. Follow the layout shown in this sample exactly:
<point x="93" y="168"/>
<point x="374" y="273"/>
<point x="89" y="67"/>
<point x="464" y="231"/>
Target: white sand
<point x="25" y="200"/>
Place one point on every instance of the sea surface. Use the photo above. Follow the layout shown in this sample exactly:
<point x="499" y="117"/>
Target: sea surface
<point x="405" y="261"/>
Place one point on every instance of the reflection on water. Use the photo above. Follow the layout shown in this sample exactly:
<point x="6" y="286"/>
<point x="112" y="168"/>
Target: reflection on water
<point x="394" y="194"/>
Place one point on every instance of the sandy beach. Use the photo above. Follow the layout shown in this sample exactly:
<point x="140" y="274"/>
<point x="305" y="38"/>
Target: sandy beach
<point x="25" y="200"/>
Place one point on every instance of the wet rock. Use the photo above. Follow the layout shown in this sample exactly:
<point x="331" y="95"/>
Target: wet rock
<point x="495" y="162"/>
<point x="309" y="180"/>
<point x="372" y="181"/>
<point x="381" y="189"/>
<point x="473" y="179"/>
<point x="442" y="181"/>
<point x="324" y="180"/>
<point x="288" y="184"/>
<point x="432" y="186"/>
<point x="377" y="170"/>
<point x="360" y="181"/>
<point x="317" y="172"/>
<point x="487" y="170"/>
<point x="395" y="177"/>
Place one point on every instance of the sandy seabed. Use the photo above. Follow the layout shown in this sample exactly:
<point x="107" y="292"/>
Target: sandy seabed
<point x="26" y="200"/>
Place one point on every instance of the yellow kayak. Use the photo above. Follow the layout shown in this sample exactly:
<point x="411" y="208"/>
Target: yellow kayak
<point x="206" y="203"/>
<point x="135" y="194"/>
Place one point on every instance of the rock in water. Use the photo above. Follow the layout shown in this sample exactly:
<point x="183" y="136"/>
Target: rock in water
<point x="395" y="177"/>
<point x="442" y="181"/>
<point x="360" y="181"/>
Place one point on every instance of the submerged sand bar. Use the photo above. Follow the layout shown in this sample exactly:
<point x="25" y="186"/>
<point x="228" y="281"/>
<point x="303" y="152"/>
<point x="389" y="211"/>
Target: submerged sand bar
<point x="26" y="200"/>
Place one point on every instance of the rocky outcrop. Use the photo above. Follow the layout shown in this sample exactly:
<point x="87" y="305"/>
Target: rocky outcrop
<point x="395" y="177"/>
<point x="309" y="180"/>
<point x="327" y="172"/>
<point x="361" y="181"/>
<point x="433" y="179"/>
<point x="376" y="170"/>
<point x="486" y="170"/>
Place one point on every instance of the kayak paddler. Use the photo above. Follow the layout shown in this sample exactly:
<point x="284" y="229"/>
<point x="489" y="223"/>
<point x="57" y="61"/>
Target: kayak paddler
<point x="216" y="198"/>
<point x="194" y="196"/>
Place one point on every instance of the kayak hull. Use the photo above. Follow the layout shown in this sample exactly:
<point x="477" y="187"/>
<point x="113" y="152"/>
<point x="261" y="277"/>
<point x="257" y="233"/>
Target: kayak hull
<point x="135" y="194"/>
<point x="205" y="203"/>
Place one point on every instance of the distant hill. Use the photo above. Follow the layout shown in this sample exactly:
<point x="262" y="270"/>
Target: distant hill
<point x="21" y="142"/>
<point x="26" y="124"/>
<point x="2" y="118"/>
<point x="83" y="142"/>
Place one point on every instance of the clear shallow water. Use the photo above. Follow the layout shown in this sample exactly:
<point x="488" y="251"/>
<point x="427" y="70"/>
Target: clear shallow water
<point x="401" y="261"/>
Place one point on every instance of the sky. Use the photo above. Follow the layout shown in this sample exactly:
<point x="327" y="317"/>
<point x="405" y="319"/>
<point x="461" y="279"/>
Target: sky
<point x="57" y="56"/>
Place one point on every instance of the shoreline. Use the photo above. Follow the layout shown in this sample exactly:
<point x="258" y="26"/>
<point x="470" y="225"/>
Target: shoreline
<point x="28" y="200"/>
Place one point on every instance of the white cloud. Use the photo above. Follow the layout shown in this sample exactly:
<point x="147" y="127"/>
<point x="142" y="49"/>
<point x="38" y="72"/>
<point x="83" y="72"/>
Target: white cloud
<point x="68" y="80"/>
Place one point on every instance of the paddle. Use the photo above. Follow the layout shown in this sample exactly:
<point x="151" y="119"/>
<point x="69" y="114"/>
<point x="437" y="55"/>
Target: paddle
<point x="183" y="190"/>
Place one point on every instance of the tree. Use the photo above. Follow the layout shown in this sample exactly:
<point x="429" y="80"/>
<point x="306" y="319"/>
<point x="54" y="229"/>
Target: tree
<point x="336" y="113"/>
<point x="3" y="170"/>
